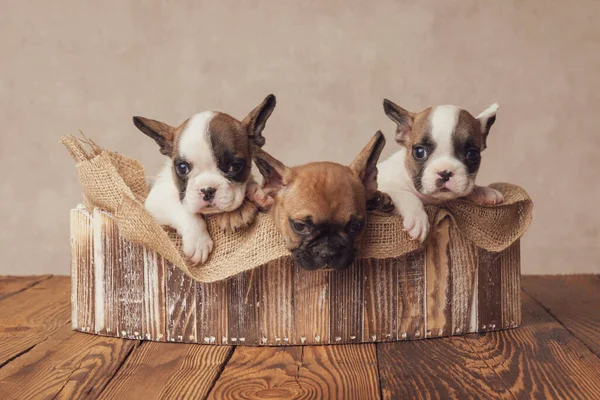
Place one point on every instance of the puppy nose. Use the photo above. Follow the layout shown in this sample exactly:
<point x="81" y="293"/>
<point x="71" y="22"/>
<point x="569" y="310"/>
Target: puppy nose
<point x="328" y="255"/>
<point x="445" y="175"/>
<point x="209" y="193"/>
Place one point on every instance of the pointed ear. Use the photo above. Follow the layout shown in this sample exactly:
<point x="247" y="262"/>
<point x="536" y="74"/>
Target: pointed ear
<point x="276" y="174"/>
<point x="403" y="119"/>
<point x="487" y="119"/>
<point x="257" y="119"/>
<point x="162" y="133"/>
<point x="365" y="164"/>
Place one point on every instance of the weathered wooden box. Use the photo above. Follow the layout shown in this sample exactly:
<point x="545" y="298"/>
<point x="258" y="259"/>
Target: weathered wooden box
<point x="447" y="287"/>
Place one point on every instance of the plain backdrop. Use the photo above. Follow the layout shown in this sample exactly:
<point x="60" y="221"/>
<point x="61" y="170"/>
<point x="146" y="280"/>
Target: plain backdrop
<point x="91" y="65"/>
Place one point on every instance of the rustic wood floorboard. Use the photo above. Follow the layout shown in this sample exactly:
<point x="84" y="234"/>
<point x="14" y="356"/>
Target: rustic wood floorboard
<point x="69" y="365"/>
<point x="10" y="285"/>
<point x="31" y="316"/>
<point x="574" y="300"/>
<point x="168" y="371"/>
<point x="309" y="372"/>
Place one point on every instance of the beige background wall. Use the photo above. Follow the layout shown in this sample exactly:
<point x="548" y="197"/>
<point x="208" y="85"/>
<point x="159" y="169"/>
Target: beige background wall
<point x="66" y="65"/>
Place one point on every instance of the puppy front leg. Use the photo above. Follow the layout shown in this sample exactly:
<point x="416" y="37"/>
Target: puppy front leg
<point x="197" y="243"/>
<point x="255" y="193"/>
<point x="484" y="195"/>
<point x="415" y="219"/>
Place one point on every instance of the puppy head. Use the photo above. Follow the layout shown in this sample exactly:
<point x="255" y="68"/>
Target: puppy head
<point x="320" y="208"/>
<point x="211" y="155"/>
<point x="443" y="146"/>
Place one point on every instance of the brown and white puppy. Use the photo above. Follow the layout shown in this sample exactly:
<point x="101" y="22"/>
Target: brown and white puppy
<point x="439" y="160"/>
<point x="321" y="207"/>
<point x="208" y="172"/>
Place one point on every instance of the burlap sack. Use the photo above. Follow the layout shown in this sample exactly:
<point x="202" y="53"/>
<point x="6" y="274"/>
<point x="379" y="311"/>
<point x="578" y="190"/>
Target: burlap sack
<point x="118" y="185"/>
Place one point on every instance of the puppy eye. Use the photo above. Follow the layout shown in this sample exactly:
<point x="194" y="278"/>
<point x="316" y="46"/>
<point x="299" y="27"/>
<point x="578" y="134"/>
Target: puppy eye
<point x="355" y="227"/>
<point x="300" y="227"/>
<point x="235" y="167"/>
<point x="182" y="168"/>
<point x="472" y="156"/>
<point x="419" y="153"/>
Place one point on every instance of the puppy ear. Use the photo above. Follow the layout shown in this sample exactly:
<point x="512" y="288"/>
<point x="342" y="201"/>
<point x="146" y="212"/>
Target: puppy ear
<point x="487" y="119"/>
<point x="276" y="174"/>
<point x="403" y="119"/>
<point x="365" y="164"/>
<point x="162" y="133"/>
<point x="257" y="119"/>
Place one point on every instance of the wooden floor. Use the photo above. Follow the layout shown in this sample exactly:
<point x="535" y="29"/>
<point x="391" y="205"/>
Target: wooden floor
<point x="554" y="354"/>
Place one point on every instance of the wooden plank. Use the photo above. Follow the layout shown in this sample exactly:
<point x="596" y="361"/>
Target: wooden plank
<point x="463" y="259"/>
<point x="380" y="302"/>
<point x="276" y="302"/>
<point x="311" y="306"/>
<point x="211" y="321"/>
<point x="107" y="263"/>
<point x="68" y="365"/>
<point x="82" y="270"/>
<point x="573" y="300"/>
<point x="168" y="371"/>
<point x="129" y="289"/>
<point x="440" y="368"/>
<point x="489" y="287"/>
<point x="541" y="359"/>
<point x="181" y="305"/>
<point x="242" y="310"/>
<point x="314" y="372"/>
<point x="411" y="295"/>
<point x="154" y="302"/>
<point x="10" y="285"/>
<point x="438" y="276"/>
<point x="510" y="291"/>
<point x="30" y="317"/>
<point x="346" y="304"/>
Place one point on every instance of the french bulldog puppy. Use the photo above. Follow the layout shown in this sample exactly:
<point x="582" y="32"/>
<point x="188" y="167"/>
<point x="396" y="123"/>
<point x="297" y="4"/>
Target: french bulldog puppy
<point x="321" y="207"/>
<point x="208" y="172"/>
<point x="439" y="160"/>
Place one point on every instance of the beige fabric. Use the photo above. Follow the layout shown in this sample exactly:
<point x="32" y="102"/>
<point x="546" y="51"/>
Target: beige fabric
<point x="118" y="185"/>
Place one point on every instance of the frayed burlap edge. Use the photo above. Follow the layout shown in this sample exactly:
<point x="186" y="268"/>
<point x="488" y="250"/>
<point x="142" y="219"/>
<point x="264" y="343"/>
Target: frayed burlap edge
<point x="117" y="184"/>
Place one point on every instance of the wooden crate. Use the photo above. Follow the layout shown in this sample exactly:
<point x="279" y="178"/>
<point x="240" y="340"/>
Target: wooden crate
<point x="447" y="287"/>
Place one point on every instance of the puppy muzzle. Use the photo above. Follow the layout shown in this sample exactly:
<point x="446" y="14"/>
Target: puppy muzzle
<point x="329" y="252"/>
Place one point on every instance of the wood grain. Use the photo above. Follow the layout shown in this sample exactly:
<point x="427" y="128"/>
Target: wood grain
<point x="346" y="304"/>
<point x="463" y="259"/>
<point x="82" y="270"/>
<point x="573" y="300"/>
<point x="168" y="371"/>
<point x="309" y="372"/>
<point x="489" y="289"/>
<point x="242" y="310"/>
<point x="276" y="303"/>
<point x="30" y="317"/>
<point x="311" y="306"/>
<point x="181" y="305"/>
<point x="10" y="285"/>
<point x="510" y="289"/>
<point x="154" y="302"/>
<point x="411" y="295"/>
<point x="211" y="305"/>
<point x="129" y="280"/>
<point x="438" y="281"/>
<point x="442" y="368"/>
<point x="541" y="359"/>
<point x="66" y="366"/>
<point x="380" y="299"/>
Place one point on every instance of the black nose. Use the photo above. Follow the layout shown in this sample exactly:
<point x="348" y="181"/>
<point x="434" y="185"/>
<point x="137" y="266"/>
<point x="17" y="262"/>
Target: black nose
<point x="445" y="175"/>
<point x="209" y="193"/>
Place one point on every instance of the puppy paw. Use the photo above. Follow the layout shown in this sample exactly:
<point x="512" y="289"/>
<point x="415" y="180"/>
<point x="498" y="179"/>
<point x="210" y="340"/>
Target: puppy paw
<point x="416" y="224"/>
<point x="197" y="247"/>
<point x="255" y="194"/>
<point x="236" y="220"/>
<point x="484" y="195"/>
<point x="381" y="203"/>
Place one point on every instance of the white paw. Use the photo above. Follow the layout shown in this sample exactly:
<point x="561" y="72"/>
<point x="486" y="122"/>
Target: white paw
<point x="416" y="224"/>
<point x="255" y="193"/>
<point x="484" y="195"/>
<point x="197" y="247"/>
